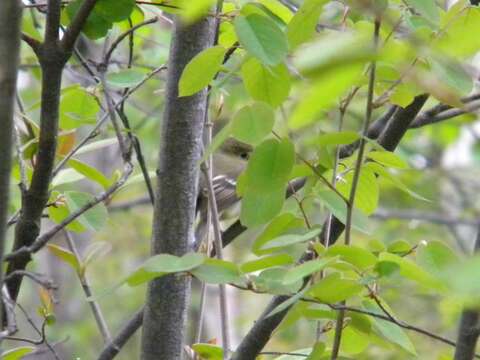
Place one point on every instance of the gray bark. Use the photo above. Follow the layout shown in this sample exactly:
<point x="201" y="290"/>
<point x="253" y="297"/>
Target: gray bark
<point x="10" y="19"/>
<point x="469" y="328"/>
<point x="181" y="147"/>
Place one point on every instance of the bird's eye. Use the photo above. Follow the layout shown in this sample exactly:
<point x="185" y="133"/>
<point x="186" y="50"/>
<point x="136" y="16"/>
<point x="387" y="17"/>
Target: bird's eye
<point x="244" y="155"/>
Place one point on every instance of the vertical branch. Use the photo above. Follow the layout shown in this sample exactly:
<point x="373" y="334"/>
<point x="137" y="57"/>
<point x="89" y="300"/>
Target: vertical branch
<point x="469" y="328"/>
<point x="356" y="176"/>
<point x="213" y="216"/>
<point x="94" y="305"/>
<point x="10" y="20"/>
<point x="52" y="26"/>
<point x="218" y="250"/>
<point x="52" y="56"/>
<point x="181" y="146"/>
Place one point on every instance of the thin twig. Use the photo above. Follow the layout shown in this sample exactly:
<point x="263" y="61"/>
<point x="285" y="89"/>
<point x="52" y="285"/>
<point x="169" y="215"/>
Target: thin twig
<point x="103" y="119"/>
<point x="38" y="278"/>
<point x="130" y="31"/>
<point x="43" y="239"/>
<point x="9" y="309"/>
<point x="356" y="176"/>
<point x="94" y="305"/>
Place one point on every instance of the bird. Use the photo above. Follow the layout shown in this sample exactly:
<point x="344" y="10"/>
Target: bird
<point x="229" y="161"/>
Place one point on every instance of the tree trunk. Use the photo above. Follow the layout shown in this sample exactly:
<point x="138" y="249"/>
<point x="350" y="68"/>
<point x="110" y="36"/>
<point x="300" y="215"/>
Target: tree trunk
<point x="10" y="20"/>
<point x="177" y="175"/>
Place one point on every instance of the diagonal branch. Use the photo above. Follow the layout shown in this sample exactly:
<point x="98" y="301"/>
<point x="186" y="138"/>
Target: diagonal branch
<point x="260" y="333"/>
<point x="114" y="347"/>
<point x="73" y="30"/>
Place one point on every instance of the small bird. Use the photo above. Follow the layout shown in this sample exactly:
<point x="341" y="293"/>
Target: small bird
<point x="228" y="163"/>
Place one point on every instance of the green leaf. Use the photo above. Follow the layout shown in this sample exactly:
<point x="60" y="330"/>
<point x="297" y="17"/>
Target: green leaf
<point x="17" y="353"/>
<point x="412" y="271"/>
<point x="137" y="16"/>
<point x="214" y="271"/>
<point x="460" y="40"/>
<point x="333" y="53"/>
<point x="290" y="239"/>
<point x="96" y="25"/>
<point x="386" y="268"/>
<point x="303" y="25"/>
<point x="266" y="262"/>
<point x="461" y="279"/>
<point x="201" y="70"/>
<point x="65" y="255"/>
<point x="338" y="138"/>
<point x="323" y="94"/>
<point x="388" y="159"/>
<point x="400" y="247"/>
<point x="287" y="303"/>
<point x="277" y="8"/>
<point x="192" y="11"/>
<point x="100" y="144"/>
<point x="66" y="176"/>
<point x="125" y="78"/>
<point x="259" y="208"/>
<point x="271" y="281"/>
<point x="208" y="351"/>
<point x="269" y="84"/>
<point x="387" y="329"/>
<point x="163" y="264"/>
<point x="260" y="9"/>
<point x="167" y="263"/>
<point x="426" y="8"/>
<point x="305" y="353"/>
<point x="367" y="192"/>
<point x="265" y="179"/>
<point x="299" y="272"/>
<point x="435" y="257"/>
<point x="270" y="164"/>
<point x="114" y="10"/>
<point x="96" y="250"/>
<point x="262" y="38"/>
<point x="252" y="123"/>
<point x="354" y="341"/>
<point x="90" y="173"/>
<point x="94" y="218"/>
<point x="453" y="74"/>
<point x="333" y="288"/>
<point x="361" y="258"/>
<point x="277" y="227"/>
<point x="393" y="180"/>
<point x="58" y="212"/>
<point x="317" y="350"/>
<point x="338" y="208"/>
<point x="77" y="107"/>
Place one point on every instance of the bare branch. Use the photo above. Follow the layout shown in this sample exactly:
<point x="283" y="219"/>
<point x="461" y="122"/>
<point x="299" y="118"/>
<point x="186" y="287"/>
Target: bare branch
<point x="94" y="305"/>
<point x="114" y="347"/>
<point x="33" y="43"/>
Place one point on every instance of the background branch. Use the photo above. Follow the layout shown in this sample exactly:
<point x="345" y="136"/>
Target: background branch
<point x="469" y="329"/>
